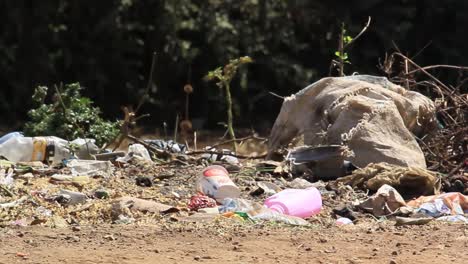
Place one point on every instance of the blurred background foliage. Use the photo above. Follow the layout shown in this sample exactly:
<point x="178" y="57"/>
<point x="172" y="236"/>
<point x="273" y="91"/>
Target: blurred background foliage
<point x="107" y="46"/>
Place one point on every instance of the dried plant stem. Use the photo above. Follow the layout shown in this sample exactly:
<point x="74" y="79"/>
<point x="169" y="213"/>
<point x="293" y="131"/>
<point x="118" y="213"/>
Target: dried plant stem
<point x="230" y="126"/>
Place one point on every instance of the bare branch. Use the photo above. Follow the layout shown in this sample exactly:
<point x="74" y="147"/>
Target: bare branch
<point x="462" y="68"/>
<point x="150" y="83"/>
<point x="358" y="35"/>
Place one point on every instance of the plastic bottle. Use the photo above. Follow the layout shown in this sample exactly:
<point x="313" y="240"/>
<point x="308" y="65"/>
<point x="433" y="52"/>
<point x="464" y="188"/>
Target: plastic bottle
<point x="214" y="181"/>
<point x="296" y="202"/>
<point x="47" y="149"/>
<point x="10" y="135"/>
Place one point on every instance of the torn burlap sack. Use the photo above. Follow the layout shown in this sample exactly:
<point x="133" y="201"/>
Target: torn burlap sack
<point x="373" y="117"/>
<point x="408" y="181"/>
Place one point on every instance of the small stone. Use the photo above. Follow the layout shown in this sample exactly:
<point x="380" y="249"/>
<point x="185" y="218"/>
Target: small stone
<point x="76" y="228"/>
<point x="109" y="237"/>
<point x="101" y="194"/>
<point x="392" y="261"/>
<point x="73" y="238"/>
<point x="394" y="253"/>
<point x="143" y="181"/>
<point x="156" y="251"/>
<point x="197" y="258"/>
<point x="375" y="249"/>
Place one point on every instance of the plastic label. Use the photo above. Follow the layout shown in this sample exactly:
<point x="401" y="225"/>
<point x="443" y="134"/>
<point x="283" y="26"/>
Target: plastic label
<point x="39" y="149"/>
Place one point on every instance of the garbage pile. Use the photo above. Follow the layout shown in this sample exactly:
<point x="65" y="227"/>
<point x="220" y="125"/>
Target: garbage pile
<point x="361" y="160"/>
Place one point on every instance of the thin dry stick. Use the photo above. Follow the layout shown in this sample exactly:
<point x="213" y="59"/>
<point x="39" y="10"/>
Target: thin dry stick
<point x="226" y="154"/>
<point x="276" y="95"/>
<point x="446" y="88"/>
<point x="148" y="146"/>
<point x="425" y="72"/>
<point x="176" y="128"/>
<point x="406" y="74"/>
<point x="8" y="192"/>
<point x="237" y="140"/>
<point x="341" y="51"/>
<point x="150" y="82"/>
<point x="462" y="68"/>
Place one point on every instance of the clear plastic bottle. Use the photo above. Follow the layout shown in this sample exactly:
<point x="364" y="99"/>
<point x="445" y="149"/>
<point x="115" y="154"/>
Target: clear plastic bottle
<point x="47" y="149"/>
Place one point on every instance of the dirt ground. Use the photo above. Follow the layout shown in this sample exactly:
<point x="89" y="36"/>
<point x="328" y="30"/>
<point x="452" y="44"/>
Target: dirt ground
<point x="381" y="243"/>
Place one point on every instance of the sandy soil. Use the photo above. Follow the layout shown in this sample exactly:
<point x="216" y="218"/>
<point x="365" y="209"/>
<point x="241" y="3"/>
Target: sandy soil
<point x="244" y="244"/>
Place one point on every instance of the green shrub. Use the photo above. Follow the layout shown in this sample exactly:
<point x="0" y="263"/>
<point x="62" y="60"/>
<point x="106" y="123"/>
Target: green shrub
<point x="69" y="115"/>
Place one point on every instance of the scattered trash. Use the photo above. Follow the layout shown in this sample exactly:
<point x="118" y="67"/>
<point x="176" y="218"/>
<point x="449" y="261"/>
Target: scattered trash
<point x="435" y="208"/>
<point x="61" y="178"/>
<point x="14" y="203"/>
<point x="373" y="117"/>
<point x="10" y="135"/>
<point x="198" y="202"/>
<point x="209" y="210"/>
<point x="214" y="181"/>
<point x="453" y="219"/>
<point x="67" y="197"/>
<point x="296" y="202"/>
<point x="120" y="205"/>
<point x="122" y="219"/>
<point x="343" y="221"/>
<point x="57" y="222"/>
<point x="385" y="202"/>
<point x="20" y="222"/>
<point x="6" y="163"/>
<point x="6" y="177"/>
<point x="110" y="156"/>
<point x="240" y="205"/>
<point x="22" y="255"/>
<point x="266" y="188"/>
<point x="46" y="149"/>
<point x="401" y="221"/>
<point x="325" y="162"/>
<point x="220" y="157"/>
<point x="453" y="203"/>
<point x="139" y="151"/>
<point x="271" y="166"/>
<point x="299" y="183"/>
<point x="101" y="194"/>
<point x="143" y="181"/>
<point x="409" y="181"/>
<point x="271" y="215"/>
<point x="170" y="145"/>
<point x="42" y="211"/>
<point x="319" y="172"/>
<point x="90" y="167"/>
<point x="344" y="211"/>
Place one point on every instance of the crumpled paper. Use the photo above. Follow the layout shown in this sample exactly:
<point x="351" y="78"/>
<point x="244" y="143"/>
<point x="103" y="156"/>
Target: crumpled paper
<point x="385" y="202"/>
